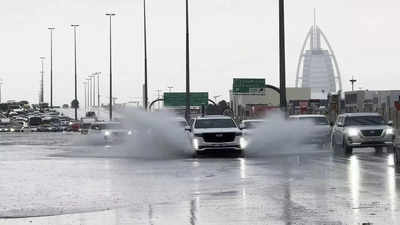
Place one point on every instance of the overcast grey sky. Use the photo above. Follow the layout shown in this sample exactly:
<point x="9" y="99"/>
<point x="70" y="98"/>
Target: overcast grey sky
<point x="229" y="38"/>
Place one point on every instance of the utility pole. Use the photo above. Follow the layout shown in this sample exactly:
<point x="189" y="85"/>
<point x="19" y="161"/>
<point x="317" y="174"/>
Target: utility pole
<point x="187" y="112"/>
<point x="110" y="15"/>
<point x="41" y="99"/>
<point x="51" y="65"/>
<point x="146" y="97"/>
<point x="282" y="58"/>
<point x="352" y="81"/>
<point x="76" y="102"/>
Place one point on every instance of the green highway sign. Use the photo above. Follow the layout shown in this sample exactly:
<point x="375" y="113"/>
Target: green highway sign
<point x="248" y="85"/>
<point x="176" y="99"/>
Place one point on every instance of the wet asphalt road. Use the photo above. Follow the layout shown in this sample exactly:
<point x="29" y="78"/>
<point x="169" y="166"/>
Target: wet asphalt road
<point x="52" y="179"/>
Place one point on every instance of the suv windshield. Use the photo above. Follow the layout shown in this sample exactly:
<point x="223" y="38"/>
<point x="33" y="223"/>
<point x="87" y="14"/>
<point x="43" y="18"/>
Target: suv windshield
<point x="316" y="120"/>
<point x="215" y="123"/>
<point x="364" y="121"/>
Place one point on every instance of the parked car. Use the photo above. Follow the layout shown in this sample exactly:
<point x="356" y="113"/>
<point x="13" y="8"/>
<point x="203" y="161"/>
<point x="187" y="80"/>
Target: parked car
<point x="360" y="130"/>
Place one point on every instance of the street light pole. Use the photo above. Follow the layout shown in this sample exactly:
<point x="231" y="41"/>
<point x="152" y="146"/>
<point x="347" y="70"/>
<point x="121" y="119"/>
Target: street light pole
<point x="146" y="97"/>
<point x="98" y="88"/>
<point x="51" y="65"/>
<point x="89" y="80"/>
<point x="93" y="90"/>
<point x="85" y="86"/>
<point x="187" y="112"/>
<point x="76" y="73"/>
<point x="110" y="15"/>
<point x="41" y="99"/>
<point x="282" y="59"/>
<point x="1" y="84"/>
<point x="87" y="93"/>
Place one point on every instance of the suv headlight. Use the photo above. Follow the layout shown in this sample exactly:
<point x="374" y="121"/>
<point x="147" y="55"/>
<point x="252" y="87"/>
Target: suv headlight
<point x="107" y="133"/>
<point x="196" y="144"/>
<point x="390" y="131"/>
<point x="239" y="134"/>
<point x="197" y="135"/>
<point x="243" y="143"/>
<point x="352" y="132"/>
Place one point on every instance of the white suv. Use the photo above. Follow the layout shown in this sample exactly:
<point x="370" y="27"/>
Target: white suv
<point x="216" y="133"/>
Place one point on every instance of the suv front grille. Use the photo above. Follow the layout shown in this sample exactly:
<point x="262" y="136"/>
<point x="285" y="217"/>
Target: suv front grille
<point x="219" y="137"/>
<point x="372" y="133"/>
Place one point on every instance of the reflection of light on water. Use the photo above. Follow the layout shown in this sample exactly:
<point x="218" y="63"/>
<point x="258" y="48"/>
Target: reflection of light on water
<point x="390" y="160"/>
<point x="242" y="168"/>
<point x="354" y="179"/>
<point x="194" y="207"/>
<point x="391" y="182"/>
<point x="196" y="163"/>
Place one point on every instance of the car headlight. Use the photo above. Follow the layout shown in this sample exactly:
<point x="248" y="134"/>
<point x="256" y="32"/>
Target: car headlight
<point x="130" y="132"/>
<point x="239" y="134"/>
<point x="243" y="143"/>
<point x="195" y="143"/>
<point x="352" y="132"/>
<point x="107" y="133"/>
<point x="12" y="130"/>
<point x="390" y="131"/>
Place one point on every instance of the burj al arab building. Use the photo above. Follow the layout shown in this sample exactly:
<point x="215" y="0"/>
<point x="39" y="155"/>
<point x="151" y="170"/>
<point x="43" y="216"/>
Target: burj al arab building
<point x="317" y="67"/>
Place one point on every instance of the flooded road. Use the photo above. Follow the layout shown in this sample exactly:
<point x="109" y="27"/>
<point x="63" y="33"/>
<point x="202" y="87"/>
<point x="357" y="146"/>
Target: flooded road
<point x="54" y="179"/>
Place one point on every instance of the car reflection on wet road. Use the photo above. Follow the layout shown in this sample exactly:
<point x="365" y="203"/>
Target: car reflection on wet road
<point x="61" y="182"/>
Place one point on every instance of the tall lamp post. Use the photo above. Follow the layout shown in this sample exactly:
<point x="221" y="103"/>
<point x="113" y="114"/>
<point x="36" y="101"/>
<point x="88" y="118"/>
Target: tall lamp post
<point x="89" y="81"/>
<point x="85" y="87"/>
<point x="76" y="103"/>
<point x="98" y="88"/>
<point x="187" y="111"/>
<point x="146" y="97"/>
<point x="41" y="97"/>
<point x="282" y="60"/>
<point x="93" y="90"/>
<point x="110" y="15"/>
<point x="51" y="29"/>
<point x="1" y="84"/>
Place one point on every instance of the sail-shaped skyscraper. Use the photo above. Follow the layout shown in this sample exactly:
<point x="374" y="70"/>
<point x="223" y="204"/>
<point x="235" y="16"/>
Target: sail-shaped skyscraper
<point x="317" y="67"/>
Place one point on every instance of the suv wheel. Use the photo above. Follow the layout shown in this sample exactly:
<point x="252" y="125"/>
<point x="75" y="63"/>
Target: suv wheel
<point x="347" y="149"/>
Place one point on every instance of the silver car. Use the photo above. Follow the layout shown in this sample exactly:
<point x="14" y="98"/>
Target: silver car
<point x="359" y="130"/>
<point x="320" y="131"/>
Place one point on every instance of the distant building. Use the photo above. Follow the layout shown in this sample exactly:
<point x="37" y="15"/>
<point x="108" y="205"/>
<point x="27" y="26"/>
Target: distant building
<point x="257" y="105"/>
<point x="317" y="67"/>
<point x="374" y="101"/>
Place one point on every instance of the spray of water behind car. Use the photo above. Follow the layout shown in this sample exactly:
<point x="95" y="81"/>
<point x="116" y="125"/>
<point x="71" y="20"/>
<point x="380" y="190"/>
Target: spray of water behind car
<point x="278" y="135"/>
